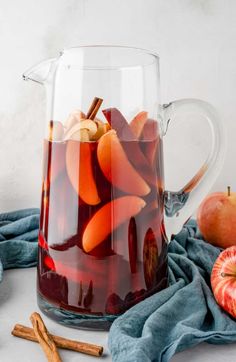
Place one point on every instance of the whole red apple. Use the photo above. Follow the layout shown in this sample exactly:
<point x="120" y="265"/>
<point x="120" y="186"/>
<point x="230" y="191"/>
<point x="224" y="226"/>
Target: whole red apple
<point x="223" y="280"/>
<point x="216" y="218"/>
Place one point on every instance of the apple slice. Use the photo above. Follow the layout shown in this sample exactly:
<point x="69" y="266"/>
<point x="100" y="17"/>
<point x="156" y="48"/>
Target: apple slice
<point x="150" y="151"/>
<point x="150" y="134"/>
<point x="117" y="168"/>
<point x="132" y="241"/>
<point x="118" y="122"/>
<point x="108" y="218"/>
<point x="150" y="130"/>
<point x="74" y="118"/>
<point x="114" y="304"/>
<point x="138" y="123"/>
<point x="150" y="258"/>
<point x="101" y="129"/>
<point x="56" y="131"/>
<point x="80" y="172"/>
<point x="132" y="149"/>
<point x="85" y="124"/>
<point x="81" y="135"/>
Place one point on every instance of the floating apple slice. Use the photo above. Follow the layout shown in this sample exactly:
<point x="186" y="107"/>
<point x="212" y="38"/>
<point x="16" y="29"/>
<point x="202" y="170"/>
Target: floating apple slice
<point x="117" y="168"/>
<point x="118" y="122"/>
<point x="150" y="151"/>
<point x="108" y="218"/>
<point x="85" y="124"/>
<point x="138" y="123"/>
<point x="150" y="130"/>
<point x="101" y="129"/>
<point x="54" y="286"/>
<point x="150" y="134"/>
<point x="132" y="149"/>
<point x="74" y="118"/>
<point x="114" y="305"/>
<point x="80" y="135"/>
<point x="132" y="239"/>
<point x="90" y="125"/>
<point x="80" y="172"/>
<point x="107" y="127"/>
<point x="56" y="131"/>
<point x="150" y="258"/>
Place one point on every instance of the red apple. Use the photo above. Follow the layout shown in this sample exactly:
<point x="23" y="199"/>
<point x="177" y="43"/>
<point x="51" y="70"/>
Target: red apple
<point x="223" y="280"/>
<point x="216" y="218"/>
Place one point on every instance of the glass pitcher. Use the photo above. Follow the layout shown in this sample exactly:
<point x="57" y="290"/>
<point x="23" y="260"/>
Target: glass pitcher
<point x="106" y="218"/>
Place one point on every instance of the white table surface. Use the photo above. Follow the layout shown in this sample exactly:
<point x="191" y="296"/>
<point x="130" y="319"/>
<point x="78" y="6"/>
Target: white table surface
<point x="18" y="301"/>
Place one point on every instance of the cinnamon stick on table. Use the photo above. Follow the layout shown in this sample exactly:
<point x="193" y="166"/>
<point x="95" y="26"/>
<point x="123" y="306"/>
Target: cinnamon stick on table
<point x="87" y="348"/>
<point x="94" y="108"/>
<point x="47" y="343"/>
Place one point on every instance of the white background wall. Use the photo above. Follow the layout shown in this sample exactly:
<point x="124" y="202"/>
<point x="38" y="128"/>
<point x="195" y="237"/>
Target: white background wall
<point x="196" y="40"/>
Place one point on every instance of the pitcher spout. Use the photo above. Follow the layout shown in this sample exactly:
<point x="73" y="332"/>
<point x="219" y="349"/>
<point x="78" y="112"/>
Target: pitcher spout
<point x="40" y="72"/>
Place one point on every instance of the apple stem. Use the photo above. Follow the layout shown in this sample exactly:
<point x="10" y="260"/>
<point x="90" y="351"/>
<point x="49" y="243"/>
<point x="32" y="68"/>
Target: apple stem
<point x="227" y="275"/>
<point x="228" y="188"/>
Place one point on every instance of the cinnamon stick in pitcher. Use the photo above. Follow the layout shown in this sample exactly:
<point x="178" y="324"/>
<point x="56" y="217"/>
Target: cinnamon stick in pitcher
<point x="77" y="346"/>
<point x="94" y="108"/>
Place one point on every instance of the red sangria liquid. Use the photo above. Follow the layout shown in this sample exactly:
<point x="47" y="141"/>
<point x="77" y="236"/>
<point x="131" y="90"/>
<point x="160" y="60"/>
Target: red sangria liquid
<point x="102" y="245"/>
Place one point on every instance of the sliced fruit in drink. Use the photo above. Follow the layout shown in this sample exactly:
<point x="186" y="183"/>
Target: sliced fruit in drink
<point x="150" y="258"/>
<point x="138" y="123"/>
<point x="118" y="122"/>
<point x="108" y="218"/>
<point x="150" y="130"/>
<point x="101" y="129"/>
<point x="54" y="286"/>
<point x="133" y="245"/>
<point x="85" y="124"/>
<point x="150" y="151"/>
<point x="56" y="131"/>
<point x="130" y="143"/>
<point x="117" y="168"/>
<point x="134" y="297"/>
<point x="80" y="171"/>
<point x="114" y="304"/>
<point x="48" y="261"/>
<point x="81" y="135"/>
<point x="74" y="118"/>
<point x="150" y="134"/>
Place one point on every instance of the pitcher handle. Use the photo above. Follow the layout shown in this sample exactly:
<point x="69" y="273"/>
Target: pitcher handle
<point x="179" y="206"/>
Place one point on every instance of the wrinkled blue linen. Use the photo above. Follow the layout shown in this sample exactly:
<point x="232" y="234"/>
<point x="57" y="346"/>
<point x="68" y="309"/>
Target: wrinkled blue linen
<point x="18" y="239"/>
<point x="180" y="316"/>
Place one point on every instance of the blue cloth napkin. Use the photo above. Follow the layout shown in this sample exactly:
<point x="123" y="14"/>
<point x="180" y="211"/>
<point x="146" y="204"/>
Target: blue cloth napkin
<point x="180" y="316"/>
<point x="18" y="239"/>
